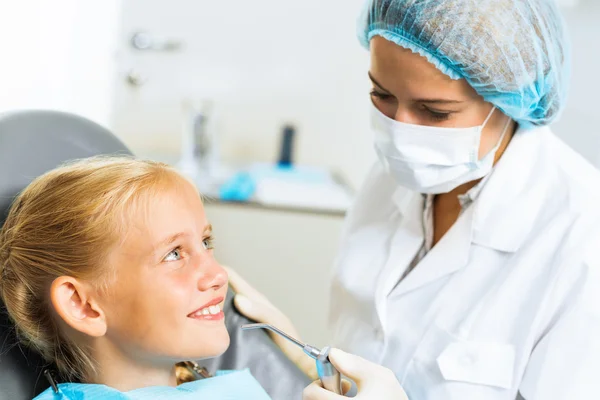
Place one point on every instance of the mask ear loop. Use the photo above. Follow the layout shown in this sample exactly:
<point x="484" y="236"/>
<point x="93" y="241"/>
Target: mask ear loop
<point x="508" y="119"/>
<point x="497" y="146"/>
<point x="488" y="117"/>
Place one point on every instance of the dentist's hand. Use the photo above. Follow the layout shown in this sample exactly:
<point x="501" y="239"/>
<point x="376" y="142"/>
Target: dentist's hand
<point x="255" y="306"/>
<point x="373" y="381"/>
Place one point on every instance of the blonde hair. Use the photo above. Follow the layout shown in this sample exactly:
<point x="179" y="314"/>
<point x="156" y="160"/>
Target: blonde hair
<point x="63" y="224"/>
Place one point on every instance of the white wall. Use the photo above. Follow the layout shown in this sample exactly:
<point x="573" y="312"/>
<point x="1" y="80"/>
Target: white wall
<point x="263" y="63"/>
<point x="58" y="55"/>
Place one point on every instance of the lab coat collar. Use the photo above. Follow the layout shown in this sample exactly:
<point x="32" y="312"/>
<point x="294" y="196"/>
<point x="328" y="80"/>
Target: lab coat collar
<point x="403" y="197"/>
<point x="509" y="203"/>
<point x="446" y="257"/>
<point x="405" y="244"/>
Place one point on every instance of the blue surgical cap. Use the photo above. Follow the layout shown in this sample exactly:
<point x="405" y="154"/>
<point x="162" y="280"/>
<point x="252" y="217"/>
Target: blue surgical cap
<point x="514" y="53"/>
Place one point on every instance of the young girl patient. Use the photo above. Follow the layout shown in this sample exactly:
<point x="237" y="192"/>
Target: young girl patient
<point x="107" y="269"/>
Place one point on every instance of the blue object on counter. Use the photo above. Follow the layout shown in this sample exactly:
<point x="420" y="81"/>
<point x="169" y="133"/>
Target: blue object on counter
<point x="287" y="146"/>
<point x="240" y="187"/>
<point x="243" y="185"/>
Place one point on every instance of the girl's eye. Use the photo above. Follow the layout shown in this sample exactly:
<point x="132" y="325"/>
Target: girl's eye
<point x="208" y="243"/>
<point x="174" y="255"/>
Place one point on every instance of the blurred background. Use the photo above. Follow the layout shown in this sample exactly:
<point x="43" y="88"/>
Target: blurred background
<point x="249" y="89"/>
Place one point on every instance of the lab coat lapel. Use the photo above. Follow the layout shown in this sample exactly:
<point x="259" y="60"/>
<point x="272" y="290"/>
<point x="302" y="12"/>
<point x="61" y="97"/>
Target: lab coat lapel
<point x="404" y="245"/>
<point x="450" y="254"/>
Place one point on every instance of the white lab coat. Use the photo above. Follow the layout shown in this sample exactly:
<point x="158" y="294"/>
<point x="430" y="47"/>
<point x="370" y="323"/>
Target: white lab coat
<point x="507" y="304"/>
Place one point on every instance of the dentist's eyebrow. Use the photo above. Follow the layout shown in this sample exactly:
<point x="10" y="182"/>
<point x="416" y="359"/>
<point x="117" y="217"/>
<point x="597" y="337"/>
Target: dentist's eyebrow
<point x="377" y="83"/>
<point x="425" y="100"/>
<point x="438" y="101"/>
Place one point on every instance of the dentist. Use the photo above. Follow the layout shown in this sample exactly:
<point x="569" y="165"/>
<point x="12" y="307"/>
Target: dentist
<point x="470" y="263"/>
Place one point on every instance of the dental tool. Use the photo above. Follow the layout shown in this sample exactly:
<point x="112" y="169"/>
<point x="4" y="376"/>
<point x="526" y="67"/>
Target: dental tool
<point x="329" y="375"/>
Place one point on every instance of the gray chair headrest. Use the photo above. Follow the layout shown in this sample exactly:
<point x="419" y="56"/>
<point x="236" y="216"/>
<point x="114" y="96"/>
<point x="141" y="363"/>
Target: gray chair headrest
<point x="32" y="143"/>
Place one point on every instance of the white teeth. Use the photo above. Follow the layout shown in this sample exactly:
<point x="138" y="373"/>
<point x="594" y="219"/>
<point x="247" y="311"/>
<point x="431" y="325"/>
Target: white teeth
<point x="212" y="310"/>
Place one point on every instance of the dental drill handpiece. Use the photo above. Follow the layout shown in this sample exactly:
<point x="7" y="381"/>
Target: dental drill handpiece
<point x="329" y="375"/>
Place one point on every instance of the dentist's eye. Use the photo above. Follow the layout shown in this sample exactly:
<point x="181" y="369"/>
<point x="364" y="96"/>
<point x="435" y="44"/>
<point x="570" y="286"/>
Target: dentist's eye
<point x="437" y="116"/>
<point x="208" y="243"/>
<point x="378" y="95"/>
<point x="174" y="255"/>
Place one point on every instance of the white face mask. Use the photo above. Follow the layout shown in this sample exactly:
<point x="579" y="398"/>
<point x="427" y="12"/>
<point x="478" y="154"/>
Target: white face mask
<point x="430" y="159"/>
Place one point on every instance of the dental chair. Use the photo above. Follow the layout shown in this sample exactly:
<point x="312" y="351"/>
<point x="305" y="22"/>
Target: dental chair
<point x="33" y="142"/>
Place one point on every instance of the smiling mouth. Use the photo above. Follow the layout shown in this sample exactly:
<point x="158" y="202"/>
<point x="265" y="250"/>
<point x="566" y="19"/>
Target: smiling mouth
<point x="211" y="312"/>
